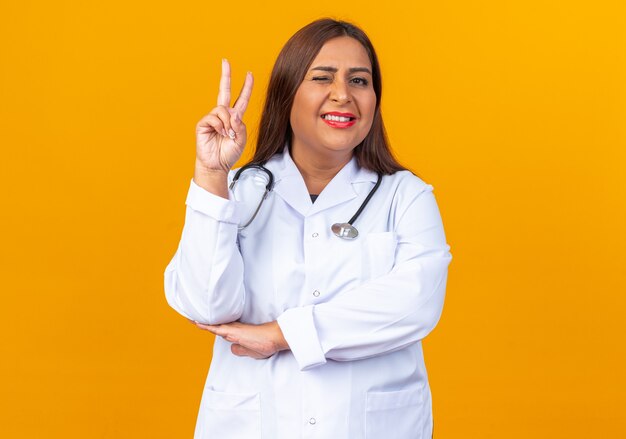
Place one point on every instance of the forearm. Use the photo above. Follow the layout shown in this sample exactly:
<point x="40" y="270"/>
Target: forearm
<point x="384" y="315"/>
<point x="378" y="317"/>
<point x="204" y="280"/>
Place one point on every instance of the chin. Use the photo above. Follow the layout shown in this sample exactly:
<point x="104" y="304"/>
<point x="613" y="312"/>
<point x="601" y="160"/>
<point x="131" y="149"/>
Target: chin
<point x="341" y="144"/>
<point x="343" y="148"/>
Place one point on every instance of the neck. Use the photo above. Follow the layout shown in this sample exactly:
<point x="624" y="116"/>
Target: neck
<point x="317" y="171"/>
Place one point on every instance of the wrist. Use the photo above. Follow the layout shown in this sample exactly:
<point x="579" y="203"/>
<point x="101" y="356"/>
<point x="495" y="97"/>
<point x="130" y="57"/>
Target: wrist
<point x="203" y="170"/>
<point x="211" y="180"/>
<point x="279" y="338"/>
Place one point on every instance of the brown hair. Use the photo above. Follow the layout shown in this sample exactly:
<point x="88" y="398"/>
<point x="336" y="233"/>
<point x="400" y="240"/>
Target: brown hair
<point x="293" y="62"/>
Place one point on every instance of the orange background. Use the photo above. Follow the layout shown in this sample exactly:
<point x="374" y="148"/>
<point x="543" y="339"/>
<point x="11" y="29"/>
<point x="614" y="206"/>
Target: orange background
<point x="513" y="110"/>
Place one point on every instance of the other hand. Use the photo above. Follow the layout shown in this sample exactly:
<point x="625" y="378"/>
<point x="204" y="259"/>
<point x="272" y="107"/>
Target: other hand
<point x="256" y="341"/>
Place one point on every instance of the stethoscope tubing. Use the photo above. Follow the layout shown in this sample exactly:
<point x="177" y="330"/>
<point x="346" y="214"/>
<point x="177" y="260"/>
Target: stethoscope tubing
<point x="367" y="199"/>
<point x="342" y="230"/>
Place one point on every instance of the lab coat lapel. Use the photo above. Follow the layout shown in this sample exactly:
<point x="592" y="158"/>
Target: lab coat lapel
<point x="344" y="187"/>
<point x="289" y="184"/>
<point x="338" y="190"/>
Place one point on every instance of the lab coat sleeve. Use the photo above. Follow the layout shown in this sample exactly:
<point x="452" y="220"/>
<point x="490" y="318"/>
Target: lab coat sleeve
<point x="204" y="279"/>
<point x="384" y="314"/>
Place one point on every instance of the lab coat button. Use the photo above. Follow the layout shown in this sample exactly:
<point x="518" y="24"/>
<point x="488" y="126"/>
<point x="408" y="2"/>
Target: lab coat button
<point x="315" y="235"/>
<point x="312" y="421"/>
<point x="316" y="293"/>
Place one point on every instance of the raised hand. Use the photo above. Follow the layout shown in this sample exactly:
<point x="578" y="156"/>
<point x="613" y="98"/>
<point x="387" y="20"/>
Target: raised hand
<point x="221" y="135"/>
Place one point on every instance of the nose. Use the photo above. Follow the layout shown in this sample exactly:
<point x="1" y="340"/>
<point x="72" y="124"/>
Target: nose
<point x="340" y="93"/>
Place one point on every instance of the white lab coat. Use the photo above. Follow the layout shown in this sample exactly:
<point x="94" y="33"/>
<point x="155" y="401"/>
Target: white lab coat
<point x="353" y="312"/>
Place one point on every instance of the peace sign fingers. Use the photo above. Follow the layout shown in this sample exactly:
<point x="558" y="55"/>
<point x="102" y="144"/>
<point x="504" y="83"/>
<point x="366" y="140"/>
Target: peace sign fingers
<point x="223" y="97"/>
<point x="221" y="135"/>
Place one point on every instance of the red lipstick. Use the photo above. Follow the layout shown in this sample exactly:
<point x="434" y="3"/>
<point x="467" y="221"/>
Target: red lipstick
<point x="336" y="119"/>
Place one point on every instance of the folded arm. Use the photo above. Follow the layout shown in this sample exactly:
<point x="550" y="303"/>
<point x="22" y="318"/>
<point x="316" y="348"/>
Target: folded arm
<point x="387" y="313"/>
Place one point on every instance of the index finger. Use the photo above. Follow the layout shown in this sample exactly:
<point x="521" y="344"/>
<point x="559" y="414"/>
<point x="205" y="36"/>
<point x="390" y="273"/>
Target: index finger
<point x="244" y="97"/>
<point x="223" y="97"/>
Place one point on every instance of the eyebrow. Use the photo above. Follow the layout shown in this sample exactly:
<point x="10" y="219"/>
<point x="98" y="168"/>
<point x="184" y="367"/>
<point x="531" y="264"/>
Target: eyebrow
<point x="335" y="69"/>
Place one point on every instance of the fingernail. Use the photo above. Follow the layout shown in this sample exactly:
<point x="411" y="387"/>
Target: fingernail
<point x="231" y="134"/>
<point x="224" y="133"/>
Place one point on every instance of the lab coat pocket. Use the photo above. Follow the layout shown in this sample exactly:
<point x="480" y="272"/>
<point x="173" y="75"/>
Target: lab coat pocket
<point x="229" y="415"/>
<point x="379" y="254"/>
<point x="394" y="415"/>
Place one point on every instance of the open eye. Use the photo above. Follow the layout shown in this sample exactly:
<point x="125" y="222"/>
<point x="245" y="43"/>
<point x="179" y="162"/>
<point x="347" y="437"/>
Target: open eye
<point x="359" y="81"/>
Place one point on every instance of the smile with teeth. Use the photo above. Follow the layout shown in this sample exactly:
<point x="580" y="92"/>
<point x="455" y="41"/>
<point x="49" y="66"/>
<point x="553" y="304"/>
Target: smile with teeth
<point x="337" y="118"/>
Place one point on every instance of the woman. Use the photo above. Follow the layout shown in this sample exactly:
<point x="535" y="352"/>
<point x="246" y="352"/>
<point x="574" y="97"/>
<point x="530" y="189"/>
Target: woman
<point x="318" y="336"/>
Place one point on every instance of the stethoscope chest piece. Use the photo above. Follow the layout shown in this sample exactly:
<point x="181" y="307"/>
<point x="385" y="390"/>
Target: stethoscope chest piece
<point x="347" y="230"/>
<point x="344" y="230"/>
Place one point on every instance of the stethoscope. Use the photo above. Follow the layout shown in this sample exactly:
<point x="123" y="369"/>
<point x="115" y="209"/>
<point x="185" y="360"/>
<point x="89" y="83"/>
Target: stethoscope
<point x="342" y="230"/>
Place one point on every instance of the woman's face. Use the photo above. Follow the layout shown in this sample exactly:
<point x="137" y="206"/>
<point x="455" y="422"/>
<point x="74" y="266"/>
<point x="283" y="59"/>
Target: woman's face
<point x="334" y="107"/>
